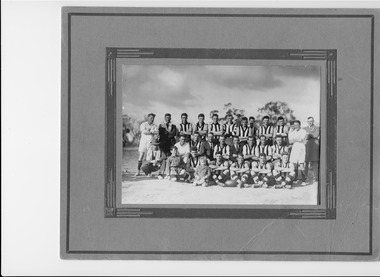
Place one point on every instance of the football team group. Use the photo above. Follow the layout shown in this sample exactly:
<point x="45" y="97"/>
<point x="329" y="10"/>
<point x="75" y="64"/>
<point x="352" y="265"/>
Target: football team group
<point x="242" y="154"/>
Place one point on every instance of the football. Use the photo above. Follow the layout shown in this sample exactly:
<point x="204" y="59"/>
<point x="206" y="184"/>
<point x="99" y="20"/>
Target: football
<point x="230" y="183"/>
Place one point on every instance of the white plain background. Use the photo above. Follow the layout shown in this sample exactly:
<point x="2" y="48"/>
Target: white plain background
<point x="31" y="60"/>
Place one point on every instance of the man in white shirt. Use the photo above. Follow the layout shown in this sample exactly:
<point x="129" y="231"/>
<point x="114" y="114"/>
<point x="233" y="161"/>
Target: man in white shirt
<point x="183" y="148"/>
<point x="147" y="129"/>
<point x="298" y="140"/>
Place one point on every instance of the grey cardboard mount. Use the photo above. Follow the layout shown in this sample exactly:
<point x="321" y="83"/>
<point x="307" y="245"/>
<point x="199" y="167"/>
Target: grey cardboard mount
<point x="86" y="230"/>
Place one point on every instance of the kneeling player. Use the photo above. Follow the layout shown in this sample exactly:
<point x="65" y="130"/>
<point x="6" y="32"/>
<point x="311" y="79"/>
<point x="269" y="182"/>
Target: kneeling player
<point x="175" y="166"/>
<point x="284" y="172"/>
<point x="239" y="171"/>
<point x="261" y="172"/>
<point x="219" y="169"/>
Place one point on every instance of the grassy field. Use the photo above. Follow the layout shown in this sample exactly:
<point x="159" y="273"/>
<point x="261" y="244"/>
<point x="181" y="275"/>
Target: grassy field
<point x="150" y="190"/>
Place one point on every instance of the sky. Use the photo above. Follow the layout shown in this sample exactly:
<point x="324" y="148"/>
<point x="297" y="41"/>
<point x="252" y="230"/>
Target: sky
<point x="195" y="89"/>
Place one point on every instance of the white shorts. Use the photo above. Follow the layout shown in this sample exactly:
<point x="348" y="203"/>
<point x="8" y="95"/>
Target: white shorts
<point x="144" y="145"/>
<point x="298" y="153"/>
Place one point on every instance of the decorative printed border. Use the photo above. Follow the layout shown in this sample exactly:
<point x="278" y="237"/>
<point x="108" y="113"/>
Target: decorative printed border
<point x="65" y="248"/>
<point x="330" y="56"/>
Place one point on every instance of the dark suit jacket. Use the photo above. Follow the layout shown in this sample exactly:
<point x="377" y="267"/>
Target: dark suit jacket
<point x="233" y="150"/>
<point x="207" y="150"/>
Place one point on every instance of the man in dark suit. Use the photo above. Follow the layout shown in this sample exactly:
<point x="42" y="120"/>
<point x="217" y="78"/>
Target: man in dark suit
<point x="207" y="147"/>
<point x="167" y="131"/>
<point x="235" y="149"/>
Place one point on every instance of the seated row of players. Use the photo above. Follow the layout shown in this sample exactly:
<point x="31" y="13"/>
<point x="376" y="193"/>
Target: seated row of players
<point x="223" y="166"/>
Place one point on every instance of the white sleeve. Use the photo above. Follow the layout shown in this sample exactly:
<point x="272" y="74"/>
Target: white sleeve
<point x="291" y="137"/>
<point x="154" y="128"/>
<point x="142" y="127"/>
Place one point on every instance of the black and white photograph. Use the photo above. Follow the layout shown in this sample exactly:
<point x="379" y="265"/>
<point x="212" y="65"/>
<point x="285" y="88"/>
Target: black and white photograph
<point x="220" y="134"/>
<point x="193" y="138"/>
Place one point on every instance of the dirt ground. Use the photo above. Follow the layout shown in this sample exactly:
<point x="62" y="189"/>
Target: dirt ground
<point x="145" y="190"/>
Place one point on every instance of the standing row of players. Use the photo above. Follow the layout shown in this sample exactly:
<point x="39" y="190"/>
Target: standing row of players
<point x="250" y="142"/>
<point x="247" y="128"/>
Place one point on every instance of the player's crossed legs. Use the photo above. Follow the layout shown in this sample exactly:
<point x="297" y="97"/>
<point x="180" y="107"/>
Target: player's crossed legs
<point x="283" y="179"/>
<point x="221" y="176"/>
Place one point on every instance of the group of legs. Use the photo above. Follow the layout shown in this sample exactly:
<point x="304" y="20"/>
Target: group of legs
<point x="219" y="177"/>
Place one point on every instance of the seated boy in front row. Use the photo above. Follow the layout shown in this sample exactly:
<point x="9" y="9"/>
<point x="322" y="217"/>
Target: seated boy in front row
<point x="175" y="166"/>
<point x="202" y="173"/>
<point x="284" y="172"/>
